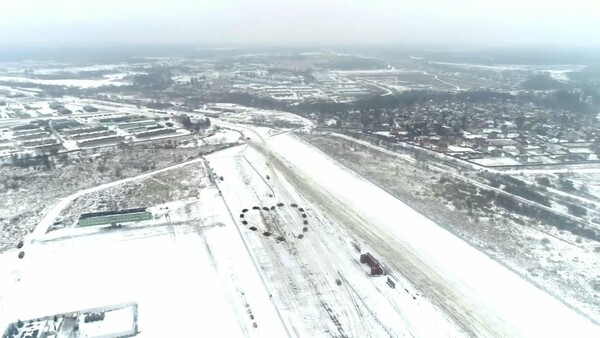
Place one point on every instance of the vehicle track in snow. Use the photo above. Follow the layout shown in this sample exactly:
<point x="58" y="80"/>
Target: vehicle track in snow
<point x="296" y="262"/>
<point x="396" y="254"/>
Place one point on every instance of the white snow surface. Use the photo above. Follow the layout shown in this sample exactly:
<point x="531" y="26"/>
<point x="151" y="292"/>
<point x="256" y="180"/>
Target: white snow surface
<point x="41" y="229"/>
<point x="301" y="273"/>
<point x="505" y="303"/>
<point x="81" y="83"/>
<point x="210" y="275"/>
<point x="492" y="161"/>
<point x="188" y="279"/>
<point x="223" y="136"/>
<point x="119" y="321"/>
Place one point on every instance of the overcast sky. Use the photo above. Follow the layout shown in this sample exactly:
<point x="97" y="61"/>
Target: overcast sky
<point x="461" y="23"/>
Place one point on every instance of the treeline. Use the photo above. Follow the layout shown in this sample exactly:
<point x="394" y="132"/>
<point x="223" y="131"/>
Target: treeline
<point x="542" y="82"/>
<point x="195" y="125"/>
<point x="561" y="99"/>
<point x="520" y="188"/>
<point x="155" y="78"/>
<point x="412" y="97"/>
<point x="26" y="160"/>
<point x="540" y="214"/>
<point x="403" y="99"/>
<point x="473" y="199"/>
<point x="516" y="187"/>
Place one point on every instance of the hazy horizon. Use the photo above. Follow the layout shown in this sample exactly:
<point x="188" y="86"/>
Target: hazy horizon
<point x="463" y="24"/>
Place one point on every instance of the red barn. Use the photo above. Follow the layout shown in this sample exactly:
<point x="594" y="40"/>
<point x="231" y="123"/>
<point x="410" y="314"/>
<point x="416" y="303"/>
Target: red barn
<point x="376" y="268"/>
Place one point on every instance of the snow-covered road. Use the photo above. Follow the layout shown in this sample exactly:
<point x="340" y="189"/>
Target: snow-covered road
<point x="317" y="282"/>
<point x="223" y="270"/>
<point x="482" y="296"/>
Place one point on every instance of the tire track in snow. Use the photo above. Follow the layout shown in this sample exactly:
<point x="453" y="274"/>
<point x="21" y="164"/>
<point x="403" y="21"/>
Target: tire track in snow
<point x="398" y="256"/>
<point x="321" y="294"/>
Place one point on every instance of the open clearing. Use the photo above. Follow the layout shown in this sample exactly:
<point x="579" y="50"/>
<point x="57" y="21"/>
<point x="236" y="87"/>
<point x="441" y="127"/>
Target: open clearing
<point x="556" y="260"/>
<point x="482" y="296"/>
<point x="193" y="269"/>
<point x="289" y="267"/>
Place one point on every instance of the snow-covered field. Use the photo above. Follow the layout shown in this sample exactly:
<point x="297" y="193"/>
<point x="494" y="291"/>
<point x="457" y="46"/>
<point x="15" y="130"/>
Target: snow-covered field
<point x="51" y="74"/>
<point x="482" y="296"/>
<point x="496" y="161"/>
<point x="266" y="117"/>
<point x="540" y="251"/>
<point x="29" y="193"/>
<point x="539" y="68"/>
<point x="80" y="83"/>
<point x="188" y="278"/>
<point x="302" y="273"/>
<point x="222" y="136"/>
<point x="216" y="276"/>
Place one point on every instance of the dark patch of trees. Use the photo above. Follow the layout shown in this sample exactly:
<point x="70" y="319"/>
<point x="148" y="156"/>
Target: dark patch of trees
<point x="250" y="100"/>
<point x="545" y="181"/>
<point x="517" y="187"/>
<point x="90" y="109"/>
<point x="561" y="99"/>
<point x="159" y="105"/>
<point x="527" y="193"/>
<point x="155" y="78"/>
<point x="198" y="125"/>
<point x="512" y="180"/>
<point x="542" y="82"/>
<point x="566" y="185"/>
<point x="97" y="74"/>
<point x="576" y="210"/>
<point x="370" y="104"/>
<point x="26" y="161"/>
<point x="12" y="330"/>
<point x="353" y="62"/>
<point x="543" y="215"/>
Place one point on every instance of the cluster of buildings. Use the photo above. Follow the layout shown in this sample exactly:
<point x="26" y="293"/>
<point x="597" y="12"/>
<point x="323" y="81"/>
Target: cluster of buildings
<point x="108" y="321"/>
<point x="493" y="134"/>
<point x="82" y="131"/>
<point x="295" y="88"/>
<point x="281" y="84"/>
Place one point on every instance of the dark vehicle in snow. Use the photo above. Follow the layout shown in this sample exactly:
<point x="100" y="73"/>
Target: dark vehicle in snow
<point x="376" y="269"/>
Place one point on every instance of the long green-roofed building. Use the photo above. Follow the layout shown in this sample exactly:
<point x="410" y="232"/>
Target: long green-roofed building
<point x="116" y="216"/>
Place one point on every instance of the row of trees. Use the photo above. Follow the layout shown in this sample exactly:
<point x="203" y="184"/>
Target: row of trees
<point x="26" y="160"/>
<point x="155" y="78"/>
<point x="195" y="125"/>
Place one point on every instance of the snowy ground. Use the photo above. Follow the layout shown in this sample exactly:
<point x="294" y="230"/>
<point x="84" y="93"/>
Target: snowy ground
<point x="273" y="118"/>
<point x="196" y="272"/>
<point x="29" y="193"/>
<point x="482" y="296"/>
<point x="302" y="272"/>
<point x="178" y="275"/>
<point x="551" y="257"/>
<point x="496" y="161"/>
<point x="80" y="83"/>
<point x="214" y="269"/>
<point x="177" y="186"/>
<point x="223" y="136"/>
